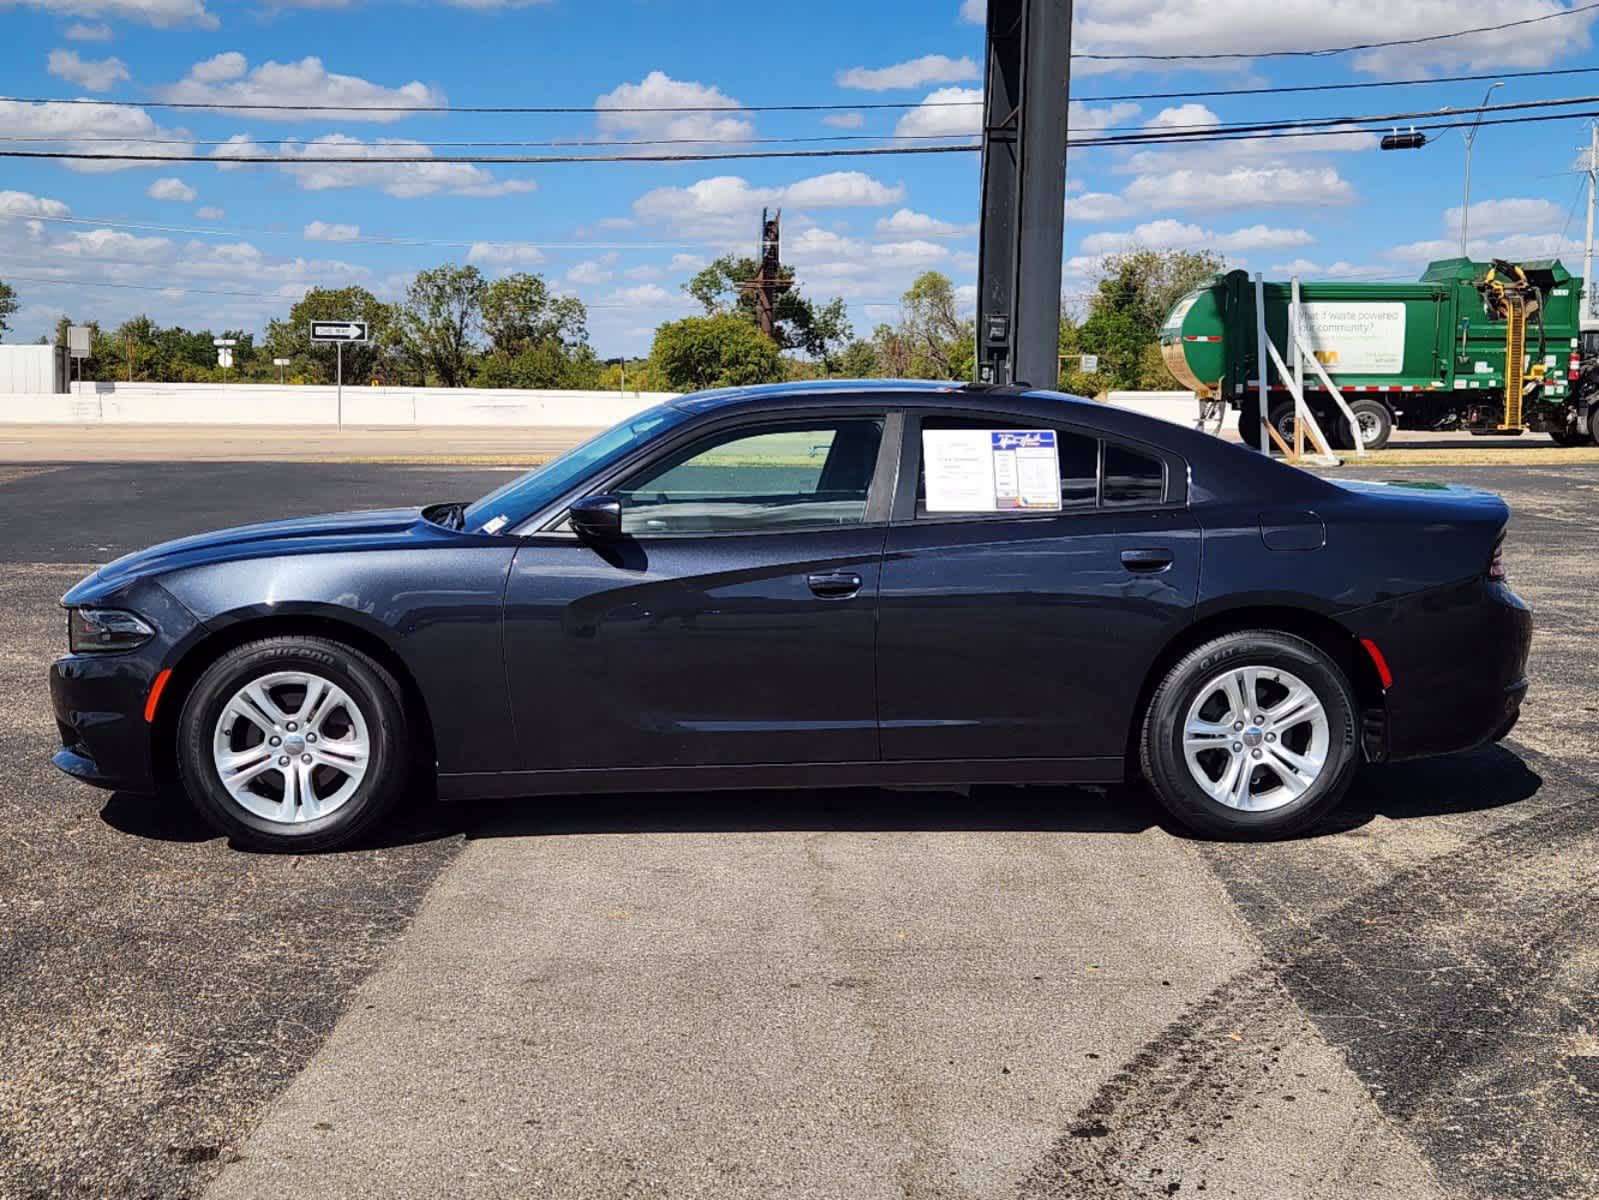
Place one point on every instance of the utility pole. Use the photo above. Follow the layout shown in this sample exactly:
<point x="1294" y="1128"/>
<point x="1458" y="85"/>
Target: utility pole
<point x="1471" y="139"/>
<point x="768" y="283"/>
<point x="1587" y="246"/>
<point x="1025" y="86"/>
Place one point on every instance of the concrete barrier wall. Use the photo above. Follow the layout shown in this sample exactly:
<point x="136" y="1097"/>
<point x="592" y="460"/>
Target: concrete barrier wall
<point x="269" y="404"/>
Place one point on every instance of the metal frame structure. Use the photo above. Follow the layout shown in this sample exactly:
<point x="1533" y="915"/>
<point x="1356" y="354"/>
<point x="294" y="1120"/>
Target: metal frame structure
<point x="1025" y="84"/>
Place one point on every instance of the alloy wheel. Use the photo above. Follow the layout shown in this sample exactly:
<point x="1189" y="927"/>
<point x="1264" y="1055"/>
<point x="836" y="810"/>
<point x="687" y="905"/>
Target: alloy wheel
<point x="1256" y="738"/>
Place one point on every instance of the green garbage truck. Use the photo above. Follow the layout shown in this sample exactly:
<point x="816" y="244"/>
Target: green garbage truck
<point x="1490" y="347"/>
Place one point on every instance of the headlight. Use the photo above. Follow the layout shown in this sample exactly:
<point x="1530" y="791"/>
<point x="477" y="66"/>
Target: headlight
<point x="104" y="630"/>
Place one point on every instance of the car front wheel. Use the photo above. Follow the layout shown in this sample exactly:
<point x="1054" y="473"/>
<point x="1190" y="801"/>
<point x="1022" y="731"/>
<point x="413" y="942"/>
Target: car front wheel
<point x="1253" y="735"/>
<point x="293" y="743"/>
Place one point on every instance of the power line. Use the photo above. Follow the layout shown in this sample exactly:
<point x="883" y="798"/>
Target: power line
<point x="1360" y="85"/>
<point x="1329" y="51"/>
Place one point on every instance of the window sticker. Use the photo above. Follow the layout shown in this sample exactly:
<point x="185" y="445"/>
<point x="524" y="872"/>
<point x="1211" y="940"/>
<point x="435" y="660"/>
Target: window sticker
<point x="990" y="470"/>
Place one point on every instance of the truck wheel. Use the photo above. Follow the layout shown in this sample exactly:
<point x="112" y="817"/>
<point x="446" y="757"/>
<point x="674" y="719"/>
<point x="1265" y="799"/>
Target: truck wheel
<point x="1593" y="424"/>
<point x="1249" y="420"/>
<point x="1562" y="438"/>
<point x="1376" y="423"/>
<point x="1282" y="420"/>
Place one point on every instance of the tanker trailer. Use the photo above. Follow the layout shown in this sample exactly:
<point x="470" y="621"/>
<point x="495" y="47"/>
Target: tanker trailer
<point x="1425" y="355"/>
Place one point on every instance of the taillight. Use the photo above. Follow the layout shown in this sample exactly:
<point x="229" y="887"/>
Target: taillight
<point x="1573" y="368"/>
<point x="1496" y="564"/>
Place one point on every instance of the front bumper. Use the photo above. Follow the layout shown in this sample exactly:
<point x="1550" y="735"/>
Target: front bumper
<point x="1458" y="656"/>
<point x="99" y="699"/>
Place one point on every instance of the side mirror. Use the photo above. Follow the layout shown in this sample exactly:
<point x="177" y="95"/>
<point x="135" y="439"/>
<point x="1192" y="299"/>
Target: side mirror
<point x="596" y="518"/>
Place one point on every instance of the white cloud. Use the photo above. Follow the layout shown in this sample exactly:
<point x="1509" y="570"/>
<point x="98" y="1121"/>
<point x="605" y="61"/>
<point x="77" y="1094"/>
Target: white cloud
<point x="171" y="188"/>
<point x="97" y="75"/>
<point x="820" y="245"/>
<point x="1489" y="217"/>
<point x="644" y="295"/>
<point x="227" y="79"/>
<point x="909" y="254"/>
<point x="918" y="72"/>
<point x="209" y="212"/>
<point x="1090" y="118"/>
<point x="844" y="120"/>
<point x="405" y="180"/>
<point x="504" y="254"/>
<point x="1241" y="187"/>
<point x="908" y="224"/>
<point x="642" y="273"/>
<point x="974" y="11"/>
<point x="26" y="204"/>
<point x="1096" y="206"/>
<point x="726" y="205"/>
<point x="1338" y="270"/>
<point x="116" y="128"/>
<point x="163" y="14"/>
<point x="946" y="112"/>
<point x="657" y="90"/>
<point x="592" y="272"/>
<point x="78" y="31"/>
<point x="1167" y="234"/>
<point x="327" y="231"/>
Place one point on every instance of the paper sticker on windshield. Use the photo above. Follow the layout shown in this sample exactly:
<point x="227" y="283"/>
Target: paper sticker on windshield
<point x="990" y="470"/>
<point x="494" y="525"/>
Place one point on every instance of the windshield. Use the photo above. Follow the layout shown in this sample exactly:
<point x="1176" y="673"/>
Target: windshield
<point x="525" y="495"/>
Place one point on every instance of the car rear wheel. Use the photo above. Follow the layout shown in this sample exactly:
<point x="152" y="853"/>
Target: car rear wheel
<point x="293" y="743"/>
<point x="1253" y="735"/>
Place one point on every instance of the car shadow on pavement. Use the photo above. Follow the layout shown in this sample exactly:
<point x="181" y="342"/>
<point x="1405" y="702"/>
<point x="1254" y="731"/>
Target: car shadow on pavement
<point x="1482" y="779"/>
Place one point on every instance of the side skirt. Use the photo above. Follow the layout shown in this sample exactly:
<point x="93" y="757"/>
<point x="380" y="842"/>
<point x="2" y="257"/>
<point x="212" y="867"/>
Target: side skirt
<point x="476" y="785"/>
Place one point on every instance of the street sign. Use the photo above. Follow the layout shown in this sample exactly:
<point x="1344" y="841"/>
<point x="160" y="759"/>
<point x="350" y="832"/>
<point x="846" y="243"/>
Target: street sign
<point x="355" y="332"/>
<point x="1090" y="363"/>
<point x="224" y="357"/>
<point x="78" y="341"/>
<point x="282" y="362"/>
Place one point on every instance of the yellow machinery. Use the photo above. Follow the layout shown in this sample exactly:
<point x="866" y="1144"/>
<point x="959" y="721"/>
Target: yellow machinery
<point x="1508" y="296"/>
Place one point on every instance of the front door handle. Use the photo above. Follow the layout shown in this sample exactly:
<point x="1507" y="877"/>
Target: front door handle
<point x="1147" y="559"/>
<point x="834" y="585"/>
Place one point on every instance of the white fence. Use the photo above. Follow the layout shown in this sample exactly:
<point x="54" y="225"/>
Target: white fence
<point x="270" y="404"/>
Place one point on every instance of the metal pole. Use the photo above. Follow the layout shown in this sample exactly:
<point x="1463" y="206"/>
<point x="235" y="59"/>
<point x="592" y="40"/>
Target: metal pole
<point x="1025" y="85"/>
<point x="1263" y="365"/>
<point x="339" y="351"/>
<point x="1587" y="249"/>
<point x="1299" y="373"/>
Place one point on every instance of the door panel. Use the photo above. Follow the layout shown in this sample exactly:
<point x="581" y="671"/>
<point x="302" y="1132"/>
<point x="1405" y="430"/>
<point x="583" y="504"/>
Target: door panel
<point x="679" y="651"/>
<point x="1027" y="637"/>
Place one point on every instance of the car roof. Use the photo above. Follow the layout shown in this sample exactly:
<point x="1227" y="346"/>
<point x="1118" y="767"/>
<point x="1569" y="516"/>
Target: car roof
<point x="776" y="396"/>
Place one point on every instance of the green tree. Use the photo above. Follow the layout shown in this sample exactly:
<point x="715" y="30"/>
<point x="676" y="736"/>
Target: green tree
<point x="723" y="350"/>
<point x="818" y="330"/>
<point x="536" y="339"/>
<point x="1136" y="290"/>
<point x="8" y="307"/>
<point x="379" y="362"/>
<point x="858" y="360"/>
<point x="442" y="314"/>
<point x="932" y="340"/>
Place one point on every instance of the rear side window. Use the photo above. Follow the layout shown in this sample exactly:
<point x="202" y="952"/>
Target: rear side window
<point x="1076" y="454"/>
<point x="1093" y="473"/>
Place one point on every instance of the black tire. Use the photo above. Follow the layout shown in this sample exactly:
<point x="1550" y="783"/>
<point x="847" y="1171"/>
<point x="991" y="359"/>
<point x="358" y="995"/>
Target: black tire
<point x="1283" y="419"/>
<point x="1593" y="424"/>
<point x="1249" y="420"/>
<point x="1377" y="423"/>
<point x="368" y="685"/>
<point x="1161" y="742"/>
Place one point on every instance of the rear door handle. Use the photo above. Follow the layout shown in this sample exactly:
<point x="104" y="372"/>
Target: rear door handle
<point x="834" y="585"/>
<point x="1148" y="559"/>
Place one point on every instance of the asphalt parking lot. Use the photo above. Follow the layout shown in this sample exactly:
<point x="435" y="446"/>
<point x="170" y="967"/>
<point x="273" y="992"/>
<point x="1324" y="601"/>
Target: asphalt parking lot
<point x="1024" y="992"/>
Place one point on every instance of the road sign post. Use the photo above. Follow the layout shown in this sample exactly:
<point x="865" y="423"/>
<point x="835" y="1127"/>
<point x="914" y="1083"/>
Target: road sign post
<point x="340" y="334"/>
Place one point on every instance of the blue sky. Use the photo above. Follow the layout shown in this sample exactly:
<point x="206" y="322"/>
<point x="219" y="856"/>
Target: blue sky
<point x="623" y="237"/>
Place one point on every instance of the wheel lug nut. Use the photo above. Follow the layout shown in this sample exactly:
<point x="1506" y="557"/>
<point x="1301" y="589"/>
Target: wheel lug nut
<point x="1237" y="746"/>
<point x="1254" y="753"/>
<point x="274" y="741"/>
<point x="1271" y="737"/>
<point x="1237" y="725"/>
<point x="284" y="761"/>
<point x="1259" y="720"/>
<point x="310" y="737"/>
<point x="293" y="726"/>
<point x="305" y="758"/>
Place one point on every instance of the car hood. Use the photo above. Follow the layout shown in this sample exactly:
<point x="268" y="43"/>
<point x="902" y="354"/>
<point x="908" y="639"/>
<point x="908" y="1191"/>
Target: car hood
<point x="300" y="535"/>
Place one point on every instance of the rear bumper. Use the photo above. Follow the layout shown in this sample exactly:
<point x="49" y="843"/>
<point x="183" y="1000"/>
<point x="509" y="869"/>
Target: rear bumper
<point x="1458" y="656"/>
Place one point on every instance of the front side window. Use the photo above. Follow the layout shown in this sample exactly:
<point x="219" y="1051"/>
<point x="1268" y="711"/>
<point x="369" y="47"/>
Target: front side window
<point x="758" y="478"/>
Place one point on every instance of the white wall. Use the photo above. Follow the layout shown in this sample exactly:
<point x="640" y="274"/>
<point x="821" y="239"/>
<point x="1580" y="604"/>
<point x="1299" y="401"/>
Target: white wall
<point x="27" y="369"/>
<point x="269" y="404"/>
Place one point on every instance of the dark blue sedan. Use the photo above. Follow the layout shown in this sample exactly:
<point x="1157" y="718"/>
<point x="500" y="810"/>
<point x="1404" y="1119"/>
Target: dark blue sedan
<point x="811" y="585"/>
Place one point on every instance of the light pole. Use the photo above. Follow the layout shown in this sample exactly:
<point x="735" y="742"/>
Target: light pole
<point x="1471" y="138"/>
